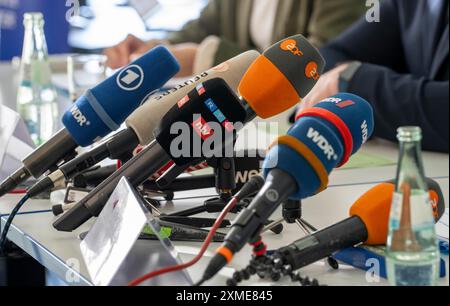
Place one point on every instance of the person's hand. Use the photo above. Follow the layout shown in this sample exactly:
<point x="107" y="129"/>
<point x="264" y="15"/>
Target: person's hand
<point x="327" y="86"/>
<point x="185" y="54"/>
<point x="132" y="48"/>
<point x="127" y="51"/>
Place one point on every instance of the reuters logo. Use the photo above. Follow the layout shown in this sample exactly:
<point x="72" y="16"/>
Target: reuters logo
<point x="291" y="46"/>
<point x="312" y="71"/>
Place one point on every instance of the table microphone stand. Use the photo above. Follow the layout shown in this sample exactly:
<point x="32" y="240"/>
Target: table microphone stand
<point x="225" y="182"/>
<point x="293" y="214"/>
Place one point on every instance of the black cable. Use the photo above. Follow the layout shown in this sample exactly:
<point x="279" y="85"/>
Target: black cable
<point x="9" y="222"/>
<point x="199" y="283"/>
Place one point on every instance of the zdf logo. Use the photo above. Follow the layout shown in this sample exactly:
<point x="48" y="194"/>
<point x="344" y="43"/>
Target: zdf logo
<point x="312" y="71"/>
<point x="434" y="201"/>
<point x="291" y="46"/>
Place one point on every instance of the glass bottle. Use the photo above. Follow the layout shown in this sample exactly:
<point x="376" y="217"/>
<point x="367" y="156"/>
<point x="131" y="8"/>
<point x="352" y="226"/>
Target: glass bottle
<point x="412" y="248"/>
<point x="36" y="98"/>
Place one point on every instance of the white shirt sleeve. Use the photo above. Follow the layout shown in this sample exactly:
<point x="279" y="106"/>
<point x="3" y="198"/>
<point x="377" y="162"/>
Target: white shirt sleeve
<point x="262" y="22"/>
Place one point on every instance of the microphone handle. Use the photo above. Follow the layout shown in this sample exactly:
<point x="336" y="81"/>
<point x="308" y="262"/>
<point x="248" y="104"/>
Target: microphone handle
<point x="248" y="225"/>
<point x="123" y="142"/>
<point x="321" y="244"/>
<point x="50" y="153"/>
<point x="93" y="177"/>
<point x="137" y="171"/>
<point x="41" y="160"/>
<point x="185" y="183"/>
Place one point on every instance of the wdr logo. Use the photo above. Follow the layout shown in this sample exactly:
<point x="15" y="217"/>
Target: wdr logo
<point x="79" y="117"/>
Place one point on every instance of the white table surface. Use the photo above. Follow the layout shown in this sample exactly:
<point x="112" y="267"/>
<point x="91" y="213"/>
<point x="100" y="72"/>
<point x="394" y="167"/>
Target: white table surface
<point x="33" y="232"/>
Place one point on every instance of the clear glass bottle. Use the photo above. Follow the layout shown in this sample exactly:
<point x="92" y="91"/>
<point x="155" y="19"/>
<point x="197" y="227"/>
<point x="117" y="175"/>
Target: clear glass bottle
<point x="36" y="98"/>
<point x="412" y="248"/>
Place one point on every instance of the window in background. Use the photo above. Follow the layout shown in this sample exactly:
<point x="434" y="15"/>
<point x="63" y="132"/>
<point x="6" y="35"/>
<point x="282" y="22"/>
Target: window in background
<point x="112" y="21"/>
<point x="173" y="14"/>
<point x="145" y="8"/>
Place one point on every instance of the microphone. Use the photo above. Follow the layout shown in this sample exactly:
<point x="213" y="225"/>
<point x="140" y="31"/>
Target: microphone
<point x="368" y="224"/>
<point x="195" y="117"/>
<point x="282" y="77"/>
<point x="143" y="121"/>
<point x="298" y="164"/>
<point x="217" y="104"/>
<point x="93" y="177"/>
<point x="247" y="165"/>
<point x="98" y="112"/>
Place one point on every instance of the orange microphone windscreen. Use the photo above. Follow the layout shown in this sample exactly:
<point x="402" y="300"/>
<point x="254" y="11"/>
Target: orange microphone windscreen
<point x="374" y="209"/>
<point x="274" y="82"/>
<point x="282" y="76"/>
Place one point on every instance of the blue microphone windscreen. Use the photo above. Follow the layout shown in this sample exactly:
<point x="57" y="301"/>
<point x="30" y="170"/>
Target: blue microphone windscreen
<point x="356" y="113"/>
<point x="315" y="145"/>
<point x="321" y="140"/>
<point x="104" y="108"/>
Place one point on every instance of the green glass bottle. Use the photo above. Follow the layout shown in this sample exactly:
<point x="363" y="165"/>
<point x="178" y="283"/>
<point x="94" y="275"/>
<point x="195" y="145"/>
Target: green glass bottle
<point x="412" y="248"/>
<point x="36" y="97"/>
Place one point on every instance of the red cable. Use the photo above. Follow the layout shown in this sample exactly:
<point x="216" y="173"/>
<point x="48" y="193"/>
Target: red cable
<point x="18" y="191"/>
<point x="203" y="249"/>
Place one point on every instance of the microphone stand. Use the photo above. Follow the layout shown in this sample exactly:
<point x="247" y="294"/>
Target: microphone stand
<point x="223" y="179"/>
<point x="293" y="214"/>
<point x="225" y="183"/>
<point x="224" y="175"/>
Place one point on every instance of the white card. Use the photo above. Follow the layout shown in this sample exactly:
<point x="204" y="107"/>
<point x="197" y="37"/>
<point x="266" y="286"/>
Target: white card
<point x="15" y="141"/>
<point x="113" y="236"/>
<point x="8" y="123"/>
<point x="111" y="250"/>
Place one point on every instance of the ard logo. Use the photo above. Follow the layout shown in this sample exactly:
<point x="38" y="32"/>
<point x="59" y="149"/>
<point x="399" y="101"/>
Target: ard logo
<point x="131" y="78"/>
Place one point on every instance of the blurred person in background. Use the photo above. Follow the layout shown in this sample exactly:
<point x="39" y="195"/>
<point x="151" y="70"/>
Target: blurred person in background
<point x="399" y="64"/>
<point x="227" y="28"/>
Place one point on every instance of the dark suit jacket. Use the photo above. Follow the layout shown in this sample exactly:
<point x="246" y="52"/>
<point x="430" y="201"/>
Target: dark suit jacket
<point x="405" y="74"/>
